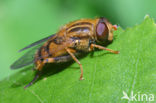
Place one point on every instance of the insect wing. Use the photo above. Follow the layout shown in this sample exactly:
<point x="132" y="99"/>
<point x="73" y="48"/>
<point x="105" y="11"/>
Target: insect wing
<point x="37" y="42"/>
<point x="26" y="59"/>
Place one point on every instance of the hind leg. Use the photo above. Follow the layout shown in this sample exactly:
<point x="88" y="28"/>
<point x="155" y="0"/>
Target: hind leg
<point x="60" y="59"/>
<point x="34" y="79"/>
<point x="48" y="60"/>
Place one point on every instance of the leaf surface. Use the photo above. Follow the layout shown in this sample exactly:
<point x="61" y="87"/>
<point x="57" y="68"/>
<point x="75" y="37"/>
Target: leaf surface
<point x="106" y="75"/>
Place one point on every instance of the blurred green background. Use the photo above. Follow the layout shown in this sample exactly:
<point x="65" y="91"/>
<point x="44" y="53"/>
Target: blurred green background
<point x="25" y="21"/>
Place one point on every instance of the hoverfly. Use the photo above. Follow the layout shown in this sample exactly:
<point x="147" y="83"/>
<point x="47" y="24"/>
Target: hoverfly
<point x="73" y="38"/>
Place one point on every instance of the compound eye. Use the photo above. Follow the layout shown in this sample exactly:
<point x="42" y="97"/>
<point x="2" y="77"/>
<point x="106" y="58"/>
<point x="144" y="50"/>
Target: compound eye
<point x="102" y="31"/>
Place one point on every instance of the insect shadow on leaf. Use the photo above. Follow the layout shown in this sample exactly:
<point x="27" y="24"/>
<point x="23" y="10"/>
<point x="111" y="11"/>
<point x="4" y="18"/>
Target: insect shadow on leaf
<point x="48" y="70"/>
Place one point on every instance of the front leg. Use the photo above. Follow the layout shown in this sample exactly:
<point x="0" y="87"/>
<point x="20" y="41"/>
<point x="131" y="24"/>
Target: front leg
<point x="103" y="48"/>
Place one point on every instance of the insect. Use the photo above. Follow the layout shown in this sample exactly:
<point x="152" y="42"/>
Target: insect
<point x="72" y="39"/>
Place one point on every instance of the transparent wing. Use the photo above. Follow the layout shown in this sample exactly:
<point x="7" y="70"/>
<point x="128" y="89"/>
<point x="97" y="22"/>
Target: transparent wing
<point x="37" y="42"/>
<point x="28" y="57"/>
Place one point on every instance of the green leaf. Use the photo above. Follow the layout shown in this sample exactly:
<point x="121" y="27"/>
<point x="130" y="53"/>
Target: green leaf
<point x="107" y="76"/>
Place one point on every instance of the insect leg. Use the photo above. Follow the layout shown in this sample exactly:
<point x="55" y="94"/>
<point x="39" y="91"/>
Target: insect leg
<point x="35" y="78"/>
<point x="49" y="60"/>
<point x="71" y="51"/>
<point x="60" y="59"/>
<point x="104" y="48"/>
